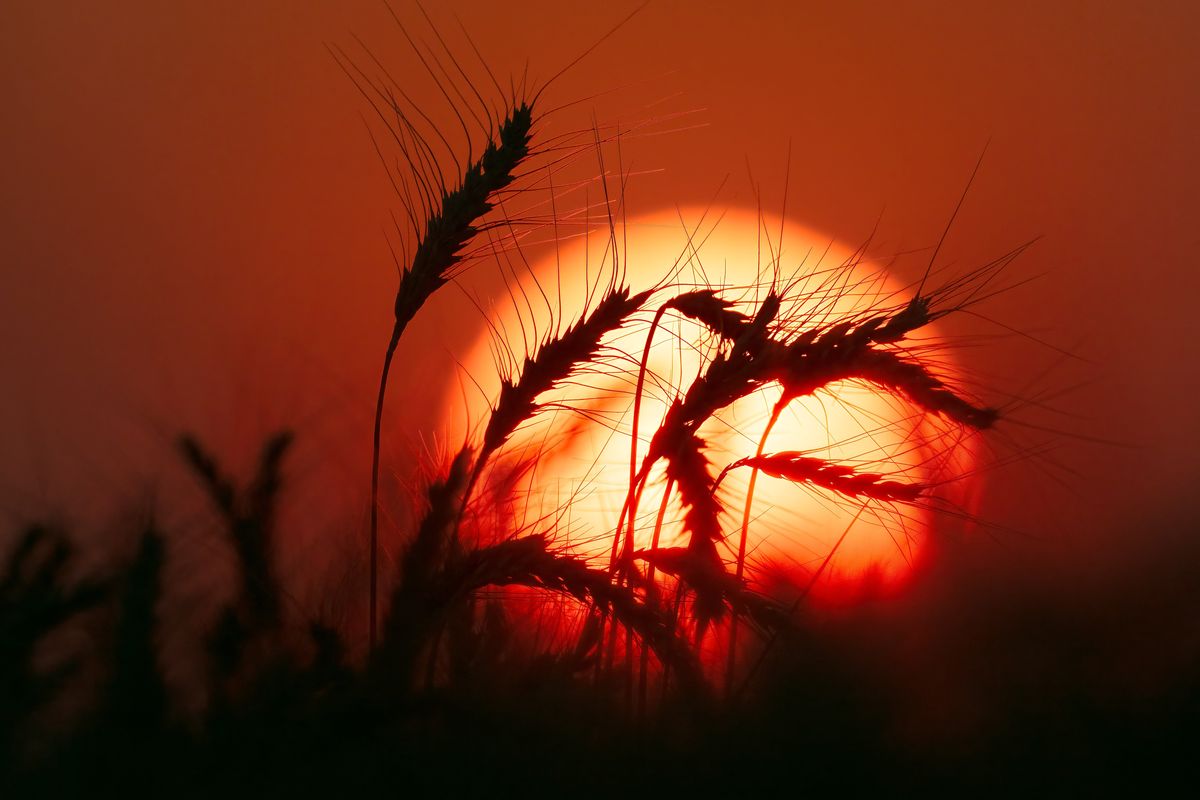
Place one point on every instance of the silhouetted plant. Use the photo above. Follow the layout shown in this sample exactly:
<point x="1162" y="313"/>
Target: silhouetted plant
<point x="35" y="600"/>
<point x="136" y="698"/>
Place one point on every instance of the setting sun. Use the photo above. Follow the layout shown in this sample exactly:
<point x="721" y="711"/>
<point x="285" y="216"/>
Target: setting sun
<point x="578" y="449"/>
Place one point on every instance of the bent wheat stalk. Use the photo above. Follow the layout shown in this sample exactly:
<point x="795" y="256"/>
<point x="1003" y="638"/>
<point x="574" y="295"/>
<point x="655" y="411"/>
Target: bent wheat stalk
<point x="718" y="316"/>
<point x="732" y="374"/>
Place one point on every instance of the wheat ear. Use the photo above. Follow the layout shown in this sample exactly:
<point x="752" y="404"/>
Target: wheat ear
<point x="799" y="468"/>
<point x="554" y="362"/>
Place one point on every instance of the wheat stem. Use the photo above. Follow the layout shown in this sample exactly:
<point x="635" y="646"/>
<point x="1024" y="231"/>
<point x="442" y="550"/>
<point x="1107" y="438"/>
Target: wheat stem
<point x="375" y="439"/>
<point x="741" y="555"/>
<point x="650" y="571"/>
<point x="448" y="230"/>
<point x="631" y="502"/>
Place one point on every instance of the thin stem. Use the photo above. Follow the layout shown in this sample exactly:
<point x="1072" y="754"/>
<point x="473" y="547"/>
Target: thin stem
<point x="741" y="557"/>
<point x="658" y="523"/>
<point x="635" y="492"/>
<point x="629" y="669"/>
<point x="374" y="558"/>
<point x="666" y="676"/>
<point x="629" y="511"/>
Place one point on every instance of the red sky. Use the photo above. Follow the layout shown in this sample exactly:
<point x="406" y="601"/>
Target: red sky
<point x="192" y="215"/>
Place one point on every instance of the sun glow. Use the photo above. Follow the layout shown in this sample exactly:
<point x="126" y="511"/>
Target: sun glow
<point x="567" y="471"/>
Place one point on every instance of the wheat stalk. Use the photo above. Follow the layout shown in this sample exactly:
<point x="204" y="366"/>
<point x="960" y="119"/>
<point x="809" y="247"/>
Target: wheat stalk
<point x="447" y="231"/>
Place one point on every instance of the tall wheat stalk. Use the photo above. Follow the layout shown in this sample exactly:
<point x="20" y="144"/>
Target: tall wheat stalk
<point x="447" y="231"/>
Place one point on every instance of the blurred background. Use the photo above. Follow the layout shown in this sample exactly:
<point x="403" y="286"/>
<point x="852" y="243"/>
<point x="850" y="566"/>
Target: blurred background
<point x="193" y="222"/>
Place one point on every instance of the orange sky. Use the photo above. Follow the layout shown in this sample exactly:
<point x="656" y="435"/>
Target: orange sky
<point x="192" y="215"/>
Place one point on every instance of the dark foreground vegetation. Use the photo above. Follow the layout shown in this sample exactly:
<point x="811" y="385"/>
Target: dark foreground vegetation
<point x="840" y="707"/>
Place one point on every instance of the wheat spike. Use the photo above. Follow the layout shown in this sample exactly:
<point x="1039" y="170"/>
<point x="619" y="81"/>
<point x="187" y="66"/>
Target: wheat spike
<point x="796" y="467"/>
<point x="553" y="362"/>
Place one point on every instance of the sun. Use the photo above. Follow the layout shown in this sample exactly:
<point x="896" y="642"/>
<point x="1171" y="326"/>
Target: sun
<point x="567" y="472"/>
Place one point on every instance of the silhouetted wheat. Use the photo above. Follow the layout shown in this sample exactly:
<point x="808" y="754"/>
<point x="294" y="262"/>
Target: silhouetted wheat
<point x="414" y="611"/>
<point x="715" y="313"/>
<point x="35" y="599"/>
<point x="552" y="363"/>
<point x="137" y="696"/>
<point x="249" y="515"/>
<point x="265" y="678"/>
<point x="835" y="477"/>
<point x="448" y="229"/>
